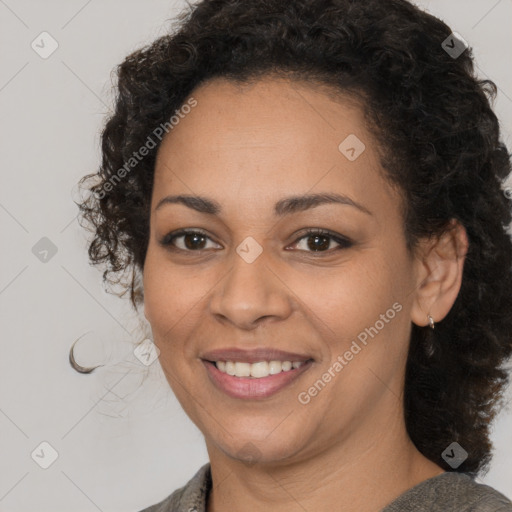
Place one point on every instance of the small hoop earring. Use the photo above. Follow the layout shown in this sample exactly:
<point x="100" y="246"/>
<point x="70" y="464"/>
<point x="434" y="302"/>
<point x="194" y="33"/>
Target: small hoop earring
<point x="431" y="322"/>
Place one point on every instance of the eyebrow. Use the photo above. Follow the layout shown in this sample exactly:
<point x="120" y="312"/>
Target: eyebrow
<point x="286" y="206"/>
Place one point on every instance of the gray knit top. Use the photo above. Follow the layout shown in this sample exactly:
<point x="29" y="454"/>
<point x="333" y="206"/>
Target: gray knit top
<point x="447" y="492"/>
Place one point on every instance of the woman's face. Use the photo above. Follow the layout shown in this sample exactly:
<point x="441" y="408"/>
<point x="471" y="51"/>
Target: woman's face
<point x="254" y="287"/>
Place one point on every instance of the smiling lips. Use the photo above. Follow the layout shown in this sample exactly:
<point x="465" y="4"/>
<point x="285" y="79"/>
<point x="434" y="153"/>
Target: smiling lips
<point x="252" y="374"/>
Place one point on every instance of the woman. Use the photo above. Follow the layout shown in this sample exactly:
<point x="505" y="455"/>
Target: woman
<point x="311" y="194"/>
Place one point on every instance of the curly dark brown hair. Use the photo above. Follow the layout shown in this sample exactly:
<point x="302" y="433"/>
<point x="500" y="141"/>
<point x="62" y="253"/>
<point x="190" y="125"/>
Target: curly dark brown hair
<point x="439" y="142"/>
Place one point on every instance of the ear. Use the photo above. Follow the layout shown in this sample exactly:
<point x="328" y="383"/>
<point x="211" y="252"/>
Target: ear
<point x="439" y="267"/>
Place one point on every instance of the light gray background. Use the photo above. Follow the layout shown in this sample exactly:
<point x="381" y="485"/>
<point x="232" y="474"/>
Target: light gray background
<point x="123" y="443"/>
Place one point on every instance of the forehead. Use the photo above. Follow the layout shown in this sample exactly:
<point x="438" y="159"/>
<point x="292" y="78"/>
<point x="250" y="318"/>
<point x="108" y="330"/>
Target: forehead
<point x="273" y="137"/>
<point x="270" y="113"/>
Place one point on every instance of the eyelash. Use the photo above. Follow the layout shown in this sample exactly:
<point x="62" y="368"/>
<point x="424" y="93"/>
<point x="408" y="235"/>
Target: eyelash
<point x="344" y="243"/>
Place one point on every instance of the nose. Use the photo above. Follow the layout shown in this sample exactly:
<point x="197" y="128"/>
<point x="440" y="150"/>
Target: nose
<point x="251" y="293"/>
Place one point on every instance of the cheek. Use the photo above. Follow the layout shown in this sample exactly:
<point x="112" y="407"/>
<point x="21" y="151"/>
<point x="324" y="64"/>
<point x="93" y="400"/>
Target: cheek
<point x="367" y="335"/>
<point x="165" y="294"/>
<point x="350" y="297"/>
<point x="360" y="314"/>
<point x="172" y="298"/>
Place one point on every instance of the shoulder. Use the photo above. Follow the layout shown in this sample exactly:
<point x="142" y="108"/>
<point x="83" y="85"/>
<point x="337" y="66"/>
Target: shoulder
<point x="451" y="491"/>
<point x="190" y="497"/>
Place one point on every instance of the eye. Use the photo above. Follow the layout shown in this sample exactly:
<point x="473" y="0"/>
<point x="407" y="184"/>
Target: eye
<point x="319" y="240"/>
<point x="192" y="240"/>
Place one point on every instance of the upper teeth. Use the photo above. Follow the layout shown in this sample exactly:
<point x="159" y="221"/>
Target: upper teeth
<point x="258" y="370"/>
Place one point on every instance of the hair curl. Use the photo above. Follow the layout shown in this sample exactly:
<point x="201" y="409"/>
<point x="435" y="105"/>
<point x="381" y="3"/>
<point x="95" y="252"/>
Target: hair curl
<point x="439" y="142"/>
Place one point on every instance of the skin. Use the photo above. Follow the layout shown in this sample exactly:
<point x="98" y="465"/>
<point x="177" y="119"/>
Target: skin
<point x="246" y="147"/>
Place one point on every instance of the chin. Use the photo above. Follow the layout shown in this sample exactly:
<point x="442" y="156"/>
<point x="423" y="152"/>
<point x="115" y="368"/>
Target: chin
<point x="259" y="449"/>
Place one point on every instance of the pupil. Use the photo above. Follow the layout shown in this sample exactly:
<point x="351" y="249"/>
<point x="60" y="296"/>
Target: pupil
<point x="194" y="236"/>
<point x="316" y="238"/>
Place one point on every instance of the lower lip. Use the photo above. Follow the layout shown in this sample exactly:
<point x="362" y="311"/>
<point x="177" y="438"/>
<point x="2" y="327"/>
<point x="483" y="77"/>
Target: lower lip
<point x="253" y="388"/>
